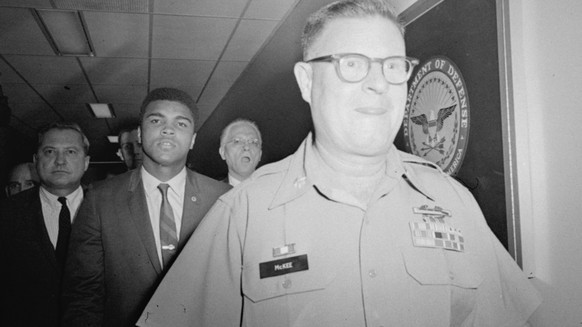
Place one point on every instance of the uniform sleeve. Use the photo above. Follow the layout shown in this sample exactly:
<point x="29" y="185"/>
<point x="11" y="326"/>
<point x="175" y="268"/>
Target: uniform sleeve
<point x="83" y="284"/>
<point x="202" y="288"/>
<point x="506" y="298"/>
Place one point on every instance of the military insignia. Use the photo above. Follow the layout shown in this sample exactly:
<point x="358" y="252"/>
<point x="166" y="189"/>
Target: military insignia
<point x="284" y="250"/>
<point x="436" y="121"/>
<point x="434" y="232"/>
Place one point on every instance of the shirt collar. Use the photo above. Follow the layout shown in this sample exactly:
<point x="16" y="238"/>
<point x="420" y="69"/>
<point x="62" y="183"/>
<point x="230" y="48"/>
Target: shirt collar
<point x="53" y="200"/>
<point x="177" y="183"/>
<point x="302" y="174"/>
<point x="233" y="181"/>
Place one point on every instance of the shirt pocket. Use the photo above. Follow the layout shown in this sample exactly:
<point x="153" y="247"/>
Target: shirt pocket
<point x="457" y="271"/>
<point x="259" y="289"/>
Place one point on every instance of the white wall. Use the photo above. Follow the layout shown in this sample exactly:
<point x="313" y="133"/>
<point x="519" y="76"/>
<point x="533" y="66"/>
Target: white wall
<point x="546" y="45"/>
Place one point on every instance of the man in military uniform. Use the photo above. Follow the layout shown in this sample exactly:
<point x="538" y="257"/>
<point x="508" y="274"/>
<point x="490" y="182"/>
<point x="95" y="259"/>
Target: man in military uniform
<point x="348" y="231"/>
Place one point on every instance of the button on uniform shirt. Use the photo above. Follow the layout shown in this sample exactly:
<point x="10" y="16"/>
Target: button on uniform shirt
<point x="154" y="201"/>
<point x="287" y="249"/>
<point x="51" y="208"/>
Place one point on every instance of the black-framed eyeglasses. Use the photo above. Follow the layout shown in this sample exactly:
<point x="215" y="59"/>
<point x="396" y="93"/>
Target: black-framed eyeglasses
<point x="354" y="67"/>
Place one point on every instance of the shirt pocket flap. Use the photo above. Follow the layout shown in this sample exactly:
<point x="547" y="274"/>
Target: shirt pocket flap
<point x="439" y="267"/>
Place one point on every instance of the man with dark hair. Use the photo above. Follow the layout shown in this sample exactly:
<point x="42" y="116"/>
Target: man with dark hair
<point x="131" y="227"/>
<point x="240" y="147"/>
<point x="35" y="226"/>
<point x="22" y="177"/>
<point x="347" y="231"/>
<point x="129" y="147"/>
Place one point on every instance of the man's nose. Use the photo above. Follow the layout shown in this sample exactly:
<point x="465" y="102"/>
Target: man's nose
<point x="168" y="130"/>
<point x="376" y="81"/>
<point x="61" y="157"/>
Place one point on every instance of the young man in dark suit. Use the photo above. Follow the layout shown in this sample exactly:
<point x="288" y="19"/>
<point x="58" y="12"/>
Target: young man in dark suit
<point x="131" y="227"/>
<point x="34" y="228"/>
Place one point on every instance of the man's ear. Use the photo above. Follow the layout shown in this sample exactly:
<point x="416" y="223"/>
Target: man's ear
<point x="221" y="152"/>
<point x="87" y="161"/>
<point x="119" y="154"/>
<point x="139" y="134"/>
<point x="193" y="140"/>
<point x="304" y="77"/>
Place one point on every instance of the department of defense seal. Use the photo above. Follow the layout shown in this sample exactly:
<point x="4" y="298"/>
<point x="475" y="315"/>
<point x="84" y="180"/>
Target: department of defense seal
<point x="436" y="121"/>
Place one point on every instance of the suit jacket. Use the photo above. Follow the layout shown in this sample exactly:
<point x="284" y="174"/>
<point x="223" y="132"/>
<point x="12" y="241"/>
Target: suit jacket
<point x="29" y="273"/>
<point x="112" y="265"/>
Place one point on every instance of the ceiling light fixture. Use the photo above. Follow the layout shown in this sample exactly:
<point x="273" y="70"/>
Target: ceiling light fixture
<point x="101" y="110"/>
<point x="113" y="138"/>
<point x="66" y="31"/>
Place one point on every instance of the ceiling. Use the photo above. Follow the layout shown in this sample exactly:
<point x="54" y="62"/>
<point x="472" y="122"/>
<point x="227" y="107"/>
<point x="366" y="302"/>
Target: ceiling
<point x="201" y="46"/>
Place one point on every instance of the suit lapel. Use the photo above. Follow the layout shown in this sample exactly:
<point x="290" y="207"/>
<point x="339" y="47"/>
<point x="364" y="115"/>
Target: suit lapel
<point x="140" y="216"/>
<point x="39" y="226"/>
<point x="191" y="212"/>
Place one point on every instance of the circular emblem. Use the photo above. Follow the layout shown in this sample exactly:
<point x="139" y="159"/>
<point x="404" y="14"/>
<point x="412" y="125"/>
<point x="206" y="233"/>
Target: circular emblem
<point x="436" y="121"/>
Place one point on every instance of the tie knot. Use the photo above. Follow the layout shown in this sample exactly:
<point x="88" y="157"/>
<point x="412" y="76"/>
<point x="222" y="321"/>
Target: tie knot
<point x="62" y="200"/>
<point x="164" y="188"/>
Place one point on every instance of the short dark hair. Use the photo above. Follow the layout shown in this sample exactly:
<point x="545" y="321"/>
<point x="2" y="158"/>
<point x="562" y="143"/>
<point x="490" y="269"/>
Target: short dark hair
<point x="63" y="125"/>
<point x="346" y="9"/>
<point x="171" y="94"/>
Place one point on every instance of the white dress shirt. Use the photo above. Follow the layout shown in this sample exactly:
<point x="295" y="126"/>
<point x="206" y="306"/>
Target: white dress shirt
<point x="233" y="181"/>
<point x="51" y="208"/>
<point x="154" y="201"/>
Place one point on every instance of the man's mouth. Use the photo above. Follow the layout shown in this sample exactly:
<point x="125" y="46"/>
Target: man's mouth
<point x="166" y="144"/>
<point x="60" y="172"/>
<point x="245" y="159"/>
<point x="372" y="110"/>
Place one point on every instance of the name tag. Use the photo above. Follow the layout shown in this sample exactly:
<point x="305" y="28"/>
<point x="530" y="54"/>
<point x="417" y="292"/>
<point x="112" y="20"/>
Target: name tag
<point x="283" y="266"/>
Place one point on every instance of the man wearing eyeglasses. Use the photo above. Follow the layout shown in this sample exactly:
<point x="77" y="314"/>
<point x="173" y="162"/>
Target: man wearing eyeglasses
<point x="348" y="231"/>
<point x="240" y="147"/>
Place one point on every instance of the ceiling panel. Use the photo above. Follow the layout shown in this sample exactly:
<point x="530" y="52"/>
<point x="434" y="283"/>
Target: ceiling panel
<point x="106" y="5"/>
<point x="226" y="73"/>
<point x="205" y="110"/>
<point x="20" y="93"/>
<point x="216" y="8"/>
<point x="116" y="71"/>
<point x="20" y="33"/>
<point x="58" y="94"/>
<point x="119" y="34"/>
<point x="8" y="75"/>
<point x="269" y="9"/>
<point x="188" y="38"/>
<point x="173" y="73"/>
<point x="26" y="3"/>
<point x="48" y="70"/>
<point x="120" y="93"/>
<point x="36" y="115"/>
<point x="248" y="39"/>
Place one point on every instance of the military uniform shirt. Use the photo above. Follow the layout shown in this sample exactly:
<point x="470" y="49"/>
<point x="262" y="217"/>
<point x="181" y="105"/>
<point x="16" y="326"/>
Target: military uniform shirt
<point x="283" y="249"/>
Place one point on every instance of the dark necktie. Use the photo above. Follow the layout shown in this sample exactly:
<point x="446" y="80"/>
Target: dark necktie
<point x="64" y="232"/>
<point x="168" y="235"/>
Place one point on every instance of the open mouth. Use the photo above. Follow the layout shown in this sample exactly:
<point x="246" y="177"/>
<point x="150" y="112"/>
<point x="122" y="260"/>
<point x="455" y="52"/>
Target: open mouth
<point x="245" y="159"/>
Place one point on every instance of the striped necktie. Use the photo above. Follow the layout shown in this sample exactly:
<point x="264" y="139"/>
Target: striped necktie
<point x="168" y="235"/>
